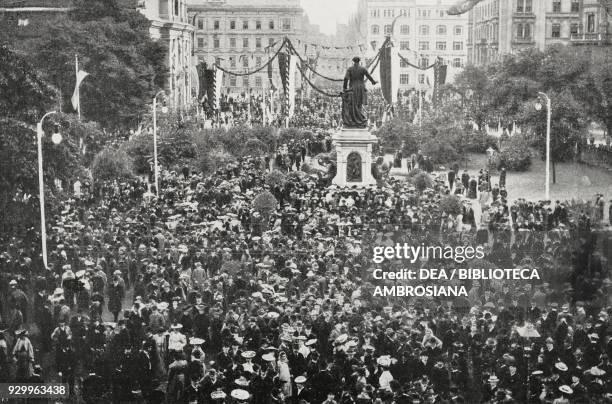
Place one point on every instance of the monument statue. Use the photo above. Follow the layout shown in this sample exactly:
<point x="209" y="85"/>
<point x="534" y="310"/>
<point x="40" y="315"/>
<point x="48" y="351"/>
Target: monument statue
<point x="354" y="96"/>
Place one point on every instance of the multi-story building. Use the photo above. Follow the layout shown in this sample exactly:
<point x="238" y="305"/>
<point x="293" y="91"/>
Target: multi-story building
<point x="241" y="35"/>
<point x="498" y="27"/>
<point x="422" y="32"/>
<point x="23" y="20"/>
<point x="170" y="23"/>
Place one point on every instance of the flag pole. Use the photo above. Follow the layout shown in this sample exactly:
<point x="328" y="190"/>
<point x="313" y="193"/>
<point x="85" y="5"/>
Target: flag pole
<point x="76" y="64"/>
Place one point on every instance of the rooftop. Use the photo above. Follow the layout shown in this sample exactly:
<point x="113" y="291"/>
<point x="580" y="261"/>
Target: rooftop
<point x="225" y="4"/>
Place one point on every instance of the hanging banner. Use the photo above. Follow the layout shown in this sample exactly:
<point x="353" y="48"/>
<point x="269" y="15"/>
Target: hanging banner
<point x="210" y="86"/>
<point x="218" y="84"/>
<point x="439" y="80"/>
<point x="386" y="78"/>
<point x="292" y="84"/>
<point x="283" y="66"/>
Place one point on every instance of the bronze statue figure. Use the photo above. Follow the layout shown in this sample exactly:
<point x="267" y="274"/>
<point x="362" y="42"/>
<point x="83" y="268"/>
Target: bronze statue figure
<point x="353" y="168"/>
<point x="354" y="96"/>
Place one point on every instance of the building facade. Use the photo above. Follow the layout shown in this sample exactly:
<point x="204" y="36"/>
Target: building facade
<point x="422" y="32"/>
<point x="170" y="24"/>
<point x="241" y="35"/>
<point x="498" y="27"/>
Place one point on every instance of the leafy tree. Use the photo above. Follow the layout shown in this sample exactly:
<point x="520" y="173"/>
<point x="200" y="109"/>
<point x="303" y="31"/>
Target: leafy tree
<point x="451" y="204"/>
<point x="568" y="124"/>
<point x="24" y="94"/>
<point x="597" y="91"/>
<point x="265" y="203"/>
<point x="111" y="164"/>
<point x="126" y="66"/>
<point x="276" y="179"/>
<point x="24" y="98"/>
<point x="214" y="159"/>
<point x="473" y="86"/>
<point x="515" y="155"/>
<point x="422" y="181"/>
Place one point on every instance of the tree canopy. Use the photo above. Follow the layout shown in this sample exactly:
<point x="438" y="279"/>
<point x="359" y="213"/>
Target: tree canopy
<point x="114" y="46"/>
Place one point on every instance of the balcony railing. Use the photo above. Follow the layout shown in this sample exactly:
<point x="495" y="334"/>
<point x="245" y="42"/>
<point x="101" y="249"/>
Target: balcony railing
<point x="591" y="39"/>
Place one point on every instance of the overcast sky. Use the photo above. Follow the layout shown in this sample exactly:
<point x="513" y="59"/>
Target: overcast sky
<point x="327" y="12"/>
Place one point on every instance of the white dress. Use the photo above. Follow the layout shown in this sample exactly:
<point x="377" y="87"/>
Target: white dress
<point x="284" y="375"/>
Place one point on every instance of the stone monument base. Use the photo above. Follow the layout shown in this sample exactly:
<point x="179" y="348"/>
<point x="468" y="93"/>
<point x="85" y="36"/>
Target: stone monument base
<point x="354" y="157"/>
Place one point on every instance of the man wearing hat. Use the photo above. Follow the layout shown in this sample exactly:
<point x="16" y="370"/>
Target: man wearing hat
<point x="116" y="293"/>
<point x="489" y="390"/>
<point x="301" y="392"/>
<point x="17" y="299"/>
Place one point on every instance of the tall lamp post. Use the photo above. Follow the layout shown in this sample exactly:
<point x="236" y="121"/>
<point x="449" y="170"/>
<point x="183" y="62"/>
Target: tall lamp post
<point x="538" y="107"/>
<point x="156" y="166"/>
<point x="56" y="138"/>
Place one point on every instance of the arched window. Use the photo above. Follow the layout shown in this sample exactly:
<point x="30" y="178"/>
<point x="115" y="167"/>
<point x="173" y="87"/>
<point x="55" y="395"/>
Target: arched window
<point x="375" y="29"/>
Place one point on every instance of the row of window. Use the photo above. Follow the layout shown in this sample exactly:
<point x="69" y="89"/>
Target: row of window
<point x="423" y="30"/>
<point x="574" y="6"/>
<point x="489" y="32"/>
<point x="424" y="63"/>
<point x="526" y="6"/>
<point x="246" y="24"/>
<point x="422" y="13"/>
<point x="524" y="31"/>
<point x="405" y="77"/>
<point x="232" y="43"/>
<point x="232" y="81"/>
<point x="441" y="45"/>
<point x="556" y="30"/>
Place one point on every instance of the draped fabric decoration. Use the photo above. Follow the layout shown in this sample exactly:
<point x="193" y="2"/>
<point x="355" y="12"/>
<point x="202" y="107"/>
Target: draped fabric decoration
<point x="406" y="61"/>
<point x="292" y="84"/>
<point x="210" y="86"/>
<point x="283" y="67"/>
<point x="218" y="82"/>
<point x="439" y="80"/>
<point x="202" y="82"/>
<point x="386" y="74"/>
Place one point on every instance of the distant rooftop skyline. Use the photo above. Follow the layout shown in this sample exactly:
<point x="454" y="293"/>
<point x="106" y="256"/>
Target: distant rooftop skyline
<point x="326" y="13"/>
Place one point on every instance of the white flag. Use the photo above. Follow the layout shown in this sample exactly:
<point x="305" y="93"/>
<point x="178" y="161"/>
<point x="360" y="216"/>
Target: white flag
<point x="76" y="102"/>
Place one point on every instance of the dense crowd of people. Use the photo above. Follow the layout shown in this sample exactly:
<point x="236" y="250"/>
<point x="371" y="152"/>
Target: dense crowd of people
<point x="312" y="111"/>
<point x="212" y="291"/>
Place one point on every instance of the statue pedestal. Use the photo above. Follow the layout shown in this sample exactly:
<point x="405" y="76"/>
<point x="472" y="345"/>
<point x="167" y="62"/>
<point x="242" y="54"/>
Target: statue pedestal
<point x="354" y="154"/>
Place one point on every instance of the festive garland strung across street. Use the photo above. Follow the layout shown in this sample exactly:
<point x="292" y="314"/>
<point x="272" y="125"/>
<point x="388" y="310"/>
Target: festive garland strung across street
<point x="292" y="51"/>
<point x="259" y="68"/>
<point x="315" y="87"/>
<point x="415" y="66"/>
<point x="375" y="59"/>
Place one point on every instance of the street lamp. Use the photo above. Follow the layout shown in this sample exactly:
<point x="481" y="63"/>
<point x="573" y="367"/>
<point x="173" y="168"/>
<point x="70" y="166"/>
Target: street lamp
<point x="56" y="138"/>
<point x="538" y="107"/>
<point x="156" y="166"/>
